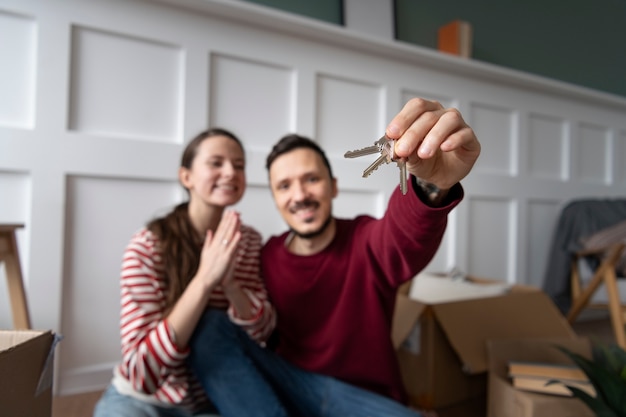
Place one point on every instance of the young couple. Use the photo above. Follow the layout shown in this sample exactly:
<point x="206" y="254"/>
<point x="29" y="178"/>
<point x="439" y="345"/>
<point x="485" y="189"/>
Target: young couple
<point x="201" y="295"/>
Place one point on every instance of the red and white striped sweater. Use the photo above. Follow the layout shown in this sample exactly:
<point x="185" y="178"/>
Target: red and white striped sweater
<point x="153" y="367"/>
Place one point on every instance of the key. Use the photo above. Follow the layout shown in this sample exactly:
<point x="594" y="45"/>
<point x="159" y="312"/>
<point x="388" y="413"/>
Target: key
<point x="383" y="159"/>
<point x="385" y="147"/>
<point x="401" y="163"/>
<point x="377" y="147"/>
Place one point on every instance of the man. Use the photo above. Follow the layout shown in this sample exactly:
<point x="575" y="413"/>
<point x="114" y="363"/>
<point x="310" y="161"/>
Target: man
<point x="333" y="281"/>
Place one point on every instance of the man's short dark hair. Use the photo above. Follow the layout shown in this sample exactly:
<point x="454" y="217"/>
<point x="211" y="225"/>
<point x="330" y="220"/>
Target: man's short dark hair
<point x="291" y="142"/>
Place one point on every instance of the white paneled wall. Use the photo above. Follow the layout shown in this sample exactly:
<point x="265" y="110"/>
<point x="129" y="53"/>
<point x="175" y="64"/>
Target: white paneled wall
<point x="18" y="70"/>
<point x="98" y="98"/>
<point x="109" y="68"/>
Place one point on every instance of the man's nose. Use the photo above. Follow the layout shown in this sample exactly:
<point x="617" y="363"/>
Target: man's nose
<point x="299" y="191"/>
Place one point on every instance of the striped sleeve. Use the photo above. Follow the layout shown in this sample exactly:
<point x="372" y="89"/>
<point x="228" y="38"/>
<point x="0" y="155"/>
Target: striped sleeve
<point x="149" y="351"/>
<point x="247" y="271"/>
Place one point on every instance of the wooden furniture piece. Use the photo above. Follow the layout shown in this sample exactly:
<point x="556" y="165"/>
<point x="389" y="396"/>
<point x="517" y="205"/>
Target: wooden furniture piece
<point x="10" y="257"/>
<point x="604" y="273"/>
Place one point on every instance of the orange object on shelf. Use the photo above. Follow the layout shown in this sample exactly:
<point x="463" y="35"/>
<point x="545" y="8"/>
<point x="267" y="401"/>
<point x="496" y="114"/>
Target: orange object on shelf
<point x="456" y="38"/>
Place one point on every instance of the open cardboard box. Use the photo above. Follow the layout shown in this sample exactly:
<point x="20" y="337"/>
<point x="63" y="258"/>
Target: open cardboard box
<point x="506" y="401"/>
<point x="442" y="349"/>
<point x="26" y="365"/>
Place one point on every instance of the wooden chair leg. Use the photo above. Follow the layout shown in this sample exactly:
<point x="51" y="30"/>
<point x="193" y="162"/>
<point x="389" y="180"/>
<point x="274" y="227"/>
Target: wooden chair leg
<point x="579" y="303"/>
<point x="17" y="295"/>
<point x="575" y="279"/>
<point x="615" y="308"/>
<point x="606" y="266"/>
<point x="605" y="273"/>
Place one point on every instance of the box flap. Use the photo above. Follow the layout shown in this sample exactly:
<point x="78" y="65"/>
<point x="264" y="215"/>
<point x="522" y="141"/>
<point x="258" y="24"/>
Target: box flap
<point x="434" y="288"/>
<point x="406" y="314"/>
<point x="26" y="367"/>
<point x="469" y="324"/>
<point x="405" y="288"/>
<point x="11" y="338"/>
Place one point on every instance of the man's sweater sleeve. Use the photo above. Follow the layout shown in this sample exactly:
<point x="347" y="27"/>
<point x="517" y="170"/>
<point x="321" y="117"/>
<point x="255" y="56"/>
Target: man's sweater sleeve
<point x="410" y="232"/>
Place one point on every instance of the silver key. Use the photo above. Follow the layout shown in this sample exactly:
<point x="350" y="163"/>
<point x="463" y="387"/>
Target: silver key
<point x="385" y="147"/>
<point x="382" y="159"/>
<point x="377" y="147"/>
<point x="401" y="163"/>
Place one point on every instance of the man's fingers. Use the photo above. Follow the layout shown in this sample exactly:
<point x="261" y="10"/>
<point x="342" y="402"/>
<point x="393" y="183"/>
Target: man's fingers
<point x="420" y="135"/>
<point x="443" y="131"/>
<point x="411" y="111"/>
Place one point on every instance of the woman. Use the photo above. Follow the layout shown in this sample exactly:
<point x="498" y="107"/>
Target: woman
<point x="198" y="266"/>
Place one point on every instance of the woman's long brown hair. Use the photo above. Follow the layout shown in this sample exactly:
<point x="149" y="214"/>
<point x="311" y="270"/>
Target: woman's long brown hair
<point x="180" y="242"/>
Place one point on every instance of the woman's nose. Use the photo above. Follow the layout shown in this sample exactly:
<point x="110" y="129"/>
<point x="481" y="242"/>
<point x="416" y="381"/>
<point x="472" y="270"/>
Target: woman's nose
<point x="228" y="170"/>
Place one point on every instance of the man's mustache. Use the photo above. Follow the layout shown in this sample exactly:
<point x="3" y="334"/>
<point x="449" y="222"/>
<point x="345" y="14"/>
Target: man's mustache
<point x="304" y="204"/>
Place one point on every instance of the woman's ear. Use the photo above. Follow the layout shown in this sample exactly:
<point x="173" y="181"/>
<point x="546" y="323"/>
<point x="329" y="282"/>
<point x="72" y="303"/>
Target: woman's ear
<point x="184" y="177"/>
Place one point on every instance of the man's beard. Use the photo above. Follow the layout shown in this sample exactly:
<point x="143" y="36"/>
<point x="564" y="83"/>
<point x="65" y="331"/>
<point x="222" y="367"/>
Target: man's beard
<point x="315" y="233"/>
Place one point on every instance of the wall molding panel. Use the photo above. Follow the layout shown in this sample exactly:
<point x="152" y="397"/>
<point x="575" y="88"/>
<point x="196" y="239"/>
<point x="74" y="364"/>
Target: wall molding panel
<point x="17" y="75"/>
<point x="98" y="99"/>
<point x="108" y="69"/>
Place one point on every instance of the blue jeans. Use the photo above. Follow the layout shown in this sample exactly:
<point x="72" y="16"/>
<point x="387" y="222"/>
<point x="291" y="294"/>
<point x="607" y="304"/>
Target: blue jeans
<point x="303" y="393"/>
<point x="229" y="377"/>
<point x="114" y="404"/>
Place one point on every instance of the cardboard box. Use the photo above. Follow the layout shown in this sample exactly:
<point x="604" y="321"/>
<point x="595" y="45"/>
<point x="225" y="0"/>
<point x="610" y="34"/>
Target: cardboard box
<point x="26" y="365"/>
<point x="475" y="407"/>
<point x="506" y="401"/>
<point x="442" y="347"/>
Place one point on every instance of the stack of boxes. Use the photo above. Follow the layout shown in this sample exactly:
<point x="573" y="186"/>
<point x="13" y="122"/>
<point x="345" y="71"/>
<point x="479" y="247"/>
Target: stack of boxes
<point x="443" y="352"/>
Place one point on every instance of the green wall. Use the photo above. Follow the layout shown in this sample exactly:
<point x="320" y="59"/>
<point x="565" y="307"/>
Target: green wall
<point x="581" y="42"/>
<point x="327" y="10"/>
<point x="578" y="41"/>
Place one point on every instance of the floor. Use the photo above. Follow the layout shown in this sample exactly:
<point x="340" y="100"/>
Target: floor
<point x="81" y="405"/>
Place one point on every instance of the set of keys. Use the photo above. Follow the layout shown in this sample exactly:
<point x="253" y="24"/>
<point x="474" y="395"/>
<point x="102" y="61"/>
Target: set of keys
<point x="384" y="147"/>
